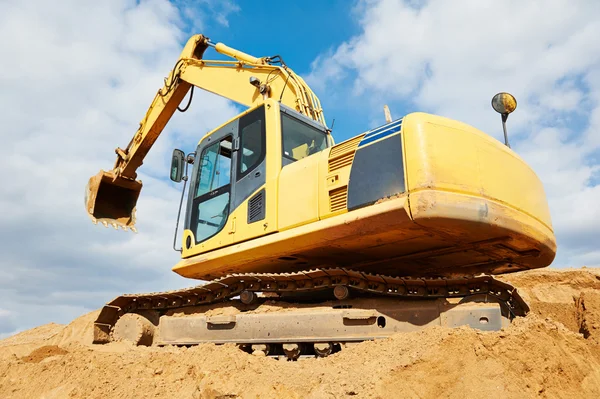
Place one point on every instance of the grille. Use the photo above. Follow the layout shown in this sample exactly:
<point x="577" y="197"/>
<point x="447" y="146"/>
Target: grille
<point x="342" y="154"/>
<point x="337" y="199"/>
<point x="256" y="207"/>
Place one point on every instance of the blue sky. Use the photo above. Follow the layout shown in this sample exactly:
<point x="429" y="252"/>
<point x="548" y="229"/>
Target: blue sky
<point x="299" y="32"/>
<point x="77" y="77"/>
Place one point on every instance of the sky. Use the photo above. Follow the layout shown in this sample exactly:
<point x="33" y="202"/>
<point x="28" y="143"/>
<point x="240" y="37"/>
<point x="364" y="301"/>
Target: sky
<point x="77" y="76"/>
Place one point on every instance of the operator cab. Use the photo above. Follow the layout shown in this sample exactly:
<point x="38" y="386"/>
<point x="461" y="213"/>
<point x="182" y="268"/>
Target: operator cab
<point x="233" y="189"/>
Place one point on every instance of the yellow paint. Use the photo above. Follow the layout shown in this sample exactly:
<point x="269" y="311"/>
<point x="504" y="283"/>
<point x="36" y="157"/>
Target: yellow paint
<point x="262" y="253"/>
<point x="237" y="54"/>
<point x="447" y="155"/>
<point x="298" y="201"/>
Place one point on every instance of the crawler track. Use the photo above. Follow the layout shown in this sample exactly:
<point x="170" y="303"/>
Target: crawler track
<point x="313" y="280"/>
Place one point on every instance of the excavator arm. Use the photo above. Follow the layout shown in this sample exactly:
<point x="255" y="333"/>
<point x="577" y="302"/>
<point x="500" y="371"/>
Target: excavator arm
<point x="111" y="196"/>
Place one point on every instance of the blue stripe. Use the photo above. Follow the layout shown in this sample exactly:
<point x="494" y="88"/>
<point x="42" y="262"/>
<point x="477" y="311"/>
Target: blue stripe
<point x="366" y="140"/>
<point x="383" y="133"/>
<point x="384" y="127"/>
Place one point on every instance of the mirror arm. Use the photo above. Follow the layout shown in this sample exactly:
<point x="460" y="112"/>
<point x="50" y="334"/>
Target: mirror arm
<point x="504" y="118"/>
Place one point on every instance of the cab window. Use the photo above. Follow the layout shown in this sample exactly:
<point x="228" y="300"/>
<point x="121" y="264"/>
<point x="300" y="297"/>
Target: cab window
<point x="215" y="164"/>
<point x="210" y="207"/>
<point x="252" y="141"/>
<point x="300" y="139"/>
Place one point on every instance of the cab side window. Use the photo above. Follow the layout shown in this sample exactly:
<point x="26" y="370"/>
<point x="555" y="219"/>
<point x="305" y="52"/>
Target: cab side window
<point x="215" y="164"/>
<point x="252" y="142"/>
<point x="300" y="139"/>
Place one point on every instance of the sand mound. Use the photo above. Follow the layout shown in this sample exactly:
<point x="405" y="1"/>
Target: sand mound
<point x="553" y="352"/>
<point x="44" y="352"/>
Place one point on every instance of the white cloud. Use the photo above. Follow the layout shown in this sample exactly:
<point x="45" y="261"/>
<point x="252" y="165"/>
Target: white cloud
<point x="76" y="80"/>
<point x="450" y="58"/>
<point x="219" y="11"/>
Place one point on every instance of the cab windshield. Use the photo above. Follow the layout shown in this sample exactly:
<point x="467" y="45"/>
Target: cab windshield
<point x="300" y="139"/>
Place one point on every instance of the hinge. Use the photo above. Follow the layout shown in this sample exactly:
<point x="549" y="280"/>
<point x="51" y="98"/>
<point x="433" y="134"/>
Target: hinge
<point x="236" y="144"/>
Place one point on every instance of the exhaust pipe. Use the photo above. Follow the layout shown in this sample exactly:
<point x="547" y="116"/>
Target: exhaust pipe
<point x="111" y="199"/>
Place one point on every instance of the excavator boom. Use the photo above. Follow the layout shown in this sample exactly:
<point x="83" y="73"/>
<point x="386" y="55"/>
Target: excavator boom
<point x="111" y="196"/>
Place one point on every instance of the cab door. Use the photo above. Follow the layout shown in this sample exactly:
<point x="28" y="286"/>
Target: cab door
<point x="249" y="199"/>
<point x="232" y="199"/>
<point x="207" y="222"/>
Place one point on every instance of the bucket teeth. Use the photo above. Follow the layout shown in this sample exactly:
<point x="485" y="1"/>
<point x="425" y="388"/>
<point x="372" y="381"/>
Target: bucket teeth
<point x="115" y="224"/>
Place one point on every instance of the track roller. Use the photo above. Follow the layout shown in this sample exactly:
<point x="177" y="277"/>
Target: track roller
<point x="341" y="292"/>
<point x="293" y="351"/>
<point x="248" y="297"/>
<point x="323" y="349"/>
<point x="258" y="349"/>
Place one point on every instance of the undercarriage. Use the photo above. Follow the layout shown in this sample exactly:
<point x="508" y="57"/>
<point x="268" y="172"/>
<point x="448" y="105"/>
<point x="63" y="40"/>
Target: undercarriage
<point x="312" y="313"/>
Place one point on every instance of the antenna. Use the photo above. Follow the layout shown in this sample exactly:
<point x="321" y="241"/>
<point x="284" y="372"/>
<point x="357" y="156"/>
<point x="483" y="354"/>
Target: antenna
<point x="388" y="115"/>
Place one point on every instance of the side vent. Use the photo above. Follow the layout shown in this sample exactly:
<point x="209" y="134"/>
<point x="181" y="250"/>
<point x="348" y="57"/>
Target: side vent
<point x="337" y="199"/>
<point x="256" y="207"/>
<point x="342" y="154"/>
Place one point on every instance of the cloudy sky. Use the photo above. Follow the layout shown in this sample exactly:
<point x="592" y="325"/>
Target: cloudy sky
<point x="77" y="76"/>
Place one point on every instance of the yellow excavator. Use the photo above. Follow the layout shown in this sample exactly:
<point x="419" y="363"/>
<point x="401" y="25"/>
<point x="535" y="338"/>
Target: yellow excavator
<point x="396" y="229"/>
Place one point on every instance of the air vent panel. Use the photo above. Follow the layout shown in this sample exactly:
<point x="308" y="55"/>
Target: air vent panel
<point x="342" y="154"/>
<point x="256" y="207"/>
<point x="337" y="199"/>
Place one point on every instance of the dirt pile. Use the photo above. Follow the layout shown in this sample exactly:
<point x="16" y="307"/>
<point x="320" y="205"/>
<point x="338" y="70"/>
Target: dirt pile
<point x="553" y="352"/>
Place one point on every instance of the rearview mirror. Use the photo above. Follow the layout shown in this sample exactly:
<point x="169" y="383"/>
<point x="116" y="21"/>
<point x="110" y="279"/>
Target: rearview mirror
<point x="177" y="165"/>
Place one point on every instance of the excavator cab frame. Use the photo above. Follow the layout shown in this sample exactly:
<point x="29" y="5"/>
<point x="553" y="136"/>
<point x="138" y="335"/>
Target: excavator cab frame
<point x="236" y="173"/>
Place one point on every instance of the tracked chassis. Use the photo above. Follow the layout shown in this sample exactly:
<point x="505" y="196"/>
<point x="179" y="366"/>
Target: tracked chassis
<point x="309" y="313"/>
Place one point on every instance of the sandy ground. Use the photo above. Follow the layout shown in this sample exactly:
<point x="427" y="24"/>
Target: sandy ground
<point x="553" y="352"/>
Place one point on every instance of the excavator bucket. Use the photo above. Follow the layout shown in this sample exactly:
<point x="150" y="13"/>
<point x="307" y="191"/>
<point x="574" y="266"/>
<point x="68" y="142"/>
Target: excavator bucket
<point x="111" y="200"/>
